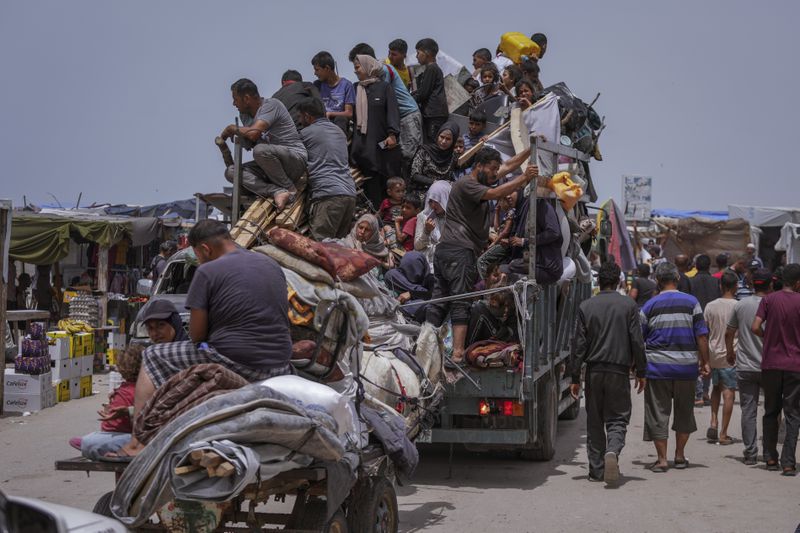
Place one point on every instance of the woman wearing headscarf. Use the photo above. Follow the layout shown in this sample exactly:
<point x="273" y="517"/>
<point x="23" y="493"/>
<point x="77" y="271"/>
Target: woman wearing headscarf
<point x="366" y="237"/>
<point x="435" y="160"/>
<point x="412" y="283"/>
<point x="430" y="220"/>
<point x="374" y="149"/>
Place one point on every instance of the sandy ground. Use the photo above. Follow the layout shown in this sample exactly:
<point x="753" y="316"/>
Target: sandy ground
<point x="486" y="492"/>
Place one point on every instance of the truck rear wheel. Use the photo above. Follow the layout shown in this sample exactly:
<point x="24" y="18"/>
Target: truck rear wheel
<point x="373" y="508"/>
<point x="547" y="421"/>
<point x="574" y="409"/>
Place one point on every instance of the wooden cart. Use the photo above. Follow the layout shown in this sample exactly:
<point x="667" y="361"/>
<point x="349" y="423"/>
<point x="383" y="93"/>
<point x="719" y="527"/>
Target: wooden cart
<point x="371" y="505"/>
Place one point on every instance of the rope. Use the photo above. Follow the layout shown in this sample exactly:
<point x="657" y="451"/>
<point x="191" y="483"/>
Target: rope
<point x="464" y="296"/>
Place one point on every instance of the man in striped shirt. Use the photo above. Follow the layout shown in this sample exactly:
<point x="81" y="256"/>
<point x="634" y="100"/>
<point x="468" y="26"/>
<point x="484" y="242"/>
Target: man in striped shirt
<point x="676" y="344"/>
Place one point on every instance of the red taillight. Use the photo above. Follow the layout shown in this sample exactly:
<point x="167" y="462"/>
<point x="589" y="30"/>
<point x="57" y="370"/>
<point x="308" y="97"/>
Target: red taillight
<point x="484" y="408"/>
<point x="508" y="408"/>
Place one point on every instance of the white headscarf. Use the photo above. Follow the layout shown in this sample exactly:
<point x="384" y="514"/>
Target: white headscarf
<point x="439" y="192"/>
<point x="373" y="68"/>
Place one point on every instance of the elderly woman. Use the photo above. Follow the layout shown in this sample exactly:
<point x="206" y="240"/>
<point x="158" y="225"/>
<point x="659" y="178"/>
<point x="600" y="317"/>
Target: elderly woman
<point x="435" y="160"/>
<point x="366" y="237"/>
<point x="374" y="149"/>
<point x="412" y="283"/>
<point x="430" y="220"/>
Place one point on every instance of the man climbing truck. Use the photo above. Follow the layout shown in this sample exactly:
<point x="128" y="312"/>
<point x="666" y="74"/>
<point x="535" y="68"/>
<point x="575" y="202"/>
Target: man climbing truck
<point x="515" y="402"/>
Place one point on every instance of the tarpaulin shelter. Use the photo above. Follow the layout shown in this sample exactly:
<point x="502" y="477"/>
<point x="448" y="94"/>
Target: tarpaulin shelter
<point x="695" y="235"/>
<point x="679" y="213"/>
<point x="43" y="238"/>
<point x="182" y="208"/>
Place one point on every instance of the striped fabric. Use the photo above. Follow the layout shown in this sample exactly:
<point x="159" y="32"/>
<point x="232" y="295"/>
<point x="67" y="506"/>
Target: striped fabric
<point x="671" y="322"/>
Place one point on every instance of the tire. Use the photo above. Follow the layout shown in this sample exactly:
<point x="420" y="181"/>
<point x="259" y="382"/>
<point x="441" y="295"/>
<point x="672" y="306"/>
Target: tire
<point x="373" y="507"/>
<point x="313" y="518"/>
<point x="103" y="505"/>
<point x="547" y="421"/>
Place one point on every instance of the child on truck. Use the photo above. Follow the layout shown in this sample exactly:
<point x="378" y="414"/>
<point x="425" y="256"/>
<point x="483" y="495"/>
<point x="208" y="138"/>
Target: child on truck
<point x="391" y="206"/>
<point x="406" y="223"/>
<point x="115" y="416"/>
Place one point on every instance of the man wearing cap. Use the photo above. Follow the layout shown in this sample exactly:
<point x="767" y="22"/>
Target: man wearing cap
<point x="754" y="259"/>
<point x="746" y="356"/>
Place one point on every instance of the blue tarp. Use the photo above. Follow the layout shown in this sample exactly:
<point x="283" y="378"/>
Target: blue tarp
<point x="678" y="213"/>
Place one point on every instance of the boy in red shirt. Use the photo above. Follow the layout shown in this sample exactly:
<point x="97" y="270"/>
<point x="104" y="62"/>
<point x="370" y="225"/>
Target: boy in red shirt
<point x="116" y="425"/>
<point x="406" y="224"/>
<point x="391" y="205"/>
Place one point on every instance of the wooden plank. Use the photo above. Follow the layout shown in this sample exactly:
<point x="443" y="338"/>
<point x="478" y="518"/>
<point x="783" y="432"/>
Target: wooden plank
<point x="81" y="464"/>
<point x="182" y="470"/>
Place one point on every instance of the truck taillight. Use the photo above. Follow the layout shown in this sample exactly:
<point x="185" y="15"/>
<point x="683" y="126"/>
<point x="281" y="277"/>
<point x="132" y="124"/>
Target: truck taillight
<point x="500" y="407"/>
<point x="484" y="408"/>
<point x="508" y="408"/>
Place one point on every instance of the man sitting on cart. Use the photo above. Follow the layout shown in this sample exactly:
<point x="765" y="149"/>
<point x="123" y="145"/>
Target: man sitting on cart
<point x="239" y="318"/>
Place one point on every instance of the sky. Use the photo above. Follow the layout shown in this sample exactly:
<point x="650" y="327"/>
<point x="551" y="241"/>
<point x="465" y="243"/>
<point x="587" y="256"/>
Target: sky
<point x="120" y="101"/>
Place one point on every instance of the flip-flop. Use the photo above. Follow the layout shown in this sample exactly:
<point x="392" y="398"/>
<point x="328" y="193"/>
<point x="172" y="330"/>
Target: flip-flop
<point x="712" y="435"/>
<point x="75" y="442"/>
<point x="727" y="441"/>
<point x="681" y="465"/>
<point x="657" y="468"/>
<point x="789" y="472"/>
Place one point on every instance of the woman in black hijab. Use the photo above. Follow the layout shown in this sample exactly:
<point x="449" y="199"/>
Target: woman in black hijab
<point x="435" y="160"/>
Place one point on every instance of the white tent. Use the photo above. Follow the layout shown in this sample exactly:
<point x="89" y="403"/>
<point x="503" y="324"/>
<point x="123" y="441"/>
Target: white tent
<point x="790" y="242"/>
<point x="765" y="216"/>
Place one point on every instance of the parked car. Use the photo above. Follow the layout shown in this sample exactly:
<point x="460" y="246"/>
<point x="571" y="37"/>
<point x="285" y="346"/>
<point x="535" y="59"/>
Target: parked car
<point x="22" y="515"/>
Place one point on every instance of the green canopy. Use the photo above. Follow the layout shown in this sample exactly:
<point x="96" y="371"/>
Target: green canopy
<point x="43" y="239"/>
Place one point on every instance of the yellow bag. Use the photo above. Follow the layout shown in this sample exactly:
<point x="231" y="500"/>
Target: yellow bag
<point x="514" y="45"/>
<point x="567" y="190"/>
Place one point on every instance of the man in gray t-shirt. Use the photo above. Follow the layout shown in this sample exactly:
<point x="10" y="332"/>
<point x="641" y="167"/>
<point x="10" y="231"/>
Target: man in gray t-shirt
<point x="333" y="191"/>
<point x="747" y="357"/>
<point x="279" y="157"/>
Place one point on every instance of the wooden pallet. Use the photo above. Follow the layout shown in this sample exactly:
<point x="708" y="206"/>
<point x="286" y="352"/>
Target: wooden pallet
<point x="260" y="217"/>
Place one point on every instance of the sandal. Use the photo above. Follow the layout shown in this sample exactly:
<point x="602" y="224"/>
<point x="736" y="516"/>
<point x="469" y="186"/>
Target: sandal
<point x="726" y="441"/>
<point x="712" y="435"/>
<point x="658" y="468"/>
<point x="789" y="471"/>
<point x="772" y="466"/>
<point x="682" y="465"/>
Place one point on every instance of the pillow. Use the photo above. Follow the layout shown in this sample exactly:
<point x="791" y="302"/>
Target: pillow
<point x="290" y="261"/>
<point x="345" y="264"/>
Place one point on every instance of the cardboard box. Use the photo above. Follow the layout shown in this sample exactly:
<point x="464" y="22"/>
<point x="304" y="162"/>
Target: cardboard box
<point x="59" y="348"/>
<point x="85" y="342"/>
<point x="60" y="369"/>
<point x="86" y="386"/>
<point x="111" y="356"/>
<point x="75" y="388"/>
<point x="54" y="335"/>
<point x="75" y="368"/>
<point x="87" y="365"/>
<point x="117" y="340"/>
<point x="62" y="390"/>
<point x="15" y="383"/>
<point x="19" y="403"/>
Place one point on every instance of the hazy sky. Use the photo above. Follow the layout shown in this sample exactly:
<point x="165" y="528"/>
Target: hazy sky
<point x="122" y="100"/>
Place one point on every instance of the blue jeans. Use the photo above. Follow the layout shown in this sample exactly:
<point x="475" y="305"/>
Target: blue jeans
<point x="97" y="444"/>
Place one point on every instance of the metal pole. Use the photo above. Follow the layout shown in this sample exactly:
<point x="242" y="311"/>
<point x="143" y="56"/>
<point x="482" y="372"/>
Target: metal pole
<point x="531" y="340"/>
<point x="237" y="176"/>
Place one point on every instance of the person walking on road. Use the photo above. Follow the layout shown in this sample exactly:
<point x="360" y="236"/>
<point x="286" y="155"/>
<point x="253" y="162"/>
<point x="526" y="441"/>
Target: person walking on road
<point x="746" y="355"/>
<point x="676" y="344"/>
<point x="609" y="341"/>
<point x="723" y="376"/>
<point x="780" y="368"/>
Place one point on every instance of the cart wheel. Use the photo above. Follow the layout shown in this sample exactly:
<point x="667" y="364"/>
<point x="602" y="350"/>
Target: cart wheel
<point x="313" y="518"/>
<point x="547" y="414"/>
<point x="103" y="505"/>
<point x="373" y="508"/>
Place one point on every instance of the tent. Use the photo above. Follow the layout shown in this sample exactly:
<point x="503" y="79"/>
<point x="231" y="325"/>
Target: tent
<point x="692" y="236"/>
<point x="43" y="238"/>
<point x="766" y="224"/>
<point x="790" y="242"/>
<point x="678" y="213"/>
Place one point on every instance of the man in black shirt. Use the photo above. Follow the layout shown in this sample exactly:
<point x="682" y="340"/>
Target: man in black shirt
<point x="684" y="265"/>
<point x="643" y="287"/>
<point x="609" y="340"/>
<point x="705" y="288"/>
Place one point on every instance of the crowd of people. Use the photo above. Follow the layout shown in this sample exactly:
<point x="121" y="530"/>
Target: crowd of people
<point x="692" y="339"/>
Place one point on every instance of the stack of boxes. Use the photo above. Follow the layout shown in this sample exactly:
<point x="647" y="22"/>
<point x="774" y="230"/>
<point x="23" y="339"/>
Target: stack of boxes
<point x="24" y="392"/>
<point x="72" y="361"/>
<point x="116" y="343"/>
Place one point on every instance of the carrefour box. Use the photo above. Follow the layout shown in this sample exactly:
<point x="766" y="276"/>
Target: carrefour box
<point x="24" y="383"/>
<point x="62" y="390"/>
<point x="75" y="368"/>
<point x="75" y="388"/>
<point x="19" y="403"/>
<point x="86" y="386"/>
<point x="87" y="365"/>
<point x="61" y="369"/>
